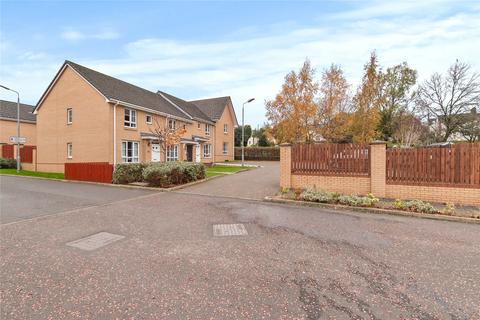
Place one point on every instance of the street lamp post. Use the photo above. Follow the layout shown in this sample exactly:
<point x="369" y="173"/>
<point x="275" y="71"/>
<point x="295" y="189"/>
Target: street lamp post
<point x="18" y="125"/>
<point x="243" y="129"/>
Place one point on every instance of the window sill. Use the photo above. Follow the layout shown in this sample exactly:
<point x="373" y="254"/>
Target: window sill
<point x="130" y="128"/>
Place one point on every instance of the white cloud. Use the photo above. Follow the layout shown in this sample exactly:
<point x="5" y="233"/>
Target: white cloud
<point x="76" y="35"/>
<point x="256" y="65"/>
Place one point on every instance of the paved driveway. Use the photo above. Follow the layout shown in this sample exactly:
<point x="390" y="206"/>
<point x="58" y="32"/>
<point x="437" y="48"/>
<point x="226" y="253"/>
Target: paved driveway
<point x="253" y="184"/>
<point x="24" y="198"/>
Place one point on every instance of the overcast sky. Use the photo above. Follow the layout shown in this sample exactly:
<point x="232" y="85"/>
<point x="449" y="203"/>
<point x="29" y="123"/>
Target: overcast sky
<point x="241" y="49"/>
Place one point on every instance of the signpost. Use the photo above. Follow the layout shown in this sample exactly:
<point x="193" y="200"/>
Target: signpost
<point x="21" y="140"/>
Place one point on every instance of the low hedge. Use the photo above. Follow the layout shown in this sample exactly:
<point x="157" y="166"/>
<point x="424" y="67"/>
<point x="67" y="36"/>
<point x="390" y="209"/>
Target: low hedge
<point x="7" y="163"/>
<point x="126" y="173"/>
<point x="167" y="174"/>
<point x="158" y="174"/>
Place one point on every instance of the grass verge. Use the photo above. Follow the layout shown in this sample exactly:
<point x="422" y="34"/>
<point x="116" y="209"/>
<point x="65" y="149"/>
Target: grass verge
<point x="50" y="175"/>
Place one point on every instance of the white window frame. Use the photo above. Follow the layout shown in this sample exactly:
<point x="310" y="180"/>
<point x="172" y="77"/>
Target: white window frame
<point x="132" y="118"/>
<point x="69" y="150"/>
<point x="69" y="115"/>
<point x="148" y="116"/>
<point x="170" y="122"/>
<point x="207" y="129"/>
<point x="207" y="150"/>
<point x="225" y="128"/>
<point x="172" y="153"/>
<point x="225" y="148"/>
<point x="135" y="151"/>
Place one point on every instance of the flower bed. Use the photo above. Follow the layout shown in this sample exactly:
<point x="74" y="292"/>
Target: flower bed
<point x="321" y="196"/>
<point x="164" y="174"/>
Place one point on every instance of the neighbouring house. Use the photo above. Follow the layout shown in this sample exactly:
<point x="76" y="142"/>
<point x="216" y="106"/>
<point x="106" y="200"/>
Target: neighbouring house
<point x="88" y="116"/>
<point x="469" y="129"/>
<point x="8" y="122"/>
<point x="252" y="141"/>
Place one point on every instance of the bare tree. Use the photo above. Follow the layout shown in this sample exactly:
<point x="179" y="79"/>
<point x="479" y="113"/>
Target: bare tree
<point x="408" y="129"/>
<point x="470" y="128"/>
<point x="167" y="134"/>
<point x="446" y="97"/>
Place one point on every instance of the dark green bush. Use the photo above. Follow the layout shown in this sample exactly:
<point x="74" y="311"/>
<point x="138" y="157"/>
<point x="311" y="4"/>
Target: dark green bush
<point x="169" y="174"/>
<point x="126" y="173"/>
<point x="8" y="163"/>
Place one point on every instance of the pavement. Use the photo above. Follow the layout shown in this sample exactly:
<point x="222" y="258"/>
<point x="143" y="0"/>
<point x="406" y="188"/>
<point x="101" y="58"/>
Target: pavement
<point x="24" y="198"/>
<point x="295" y="262"/>
<point x="252" y="184"/>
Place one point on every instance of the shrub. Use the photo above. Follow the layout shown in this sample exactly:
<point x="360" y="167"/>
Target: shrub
<point x="449" y="209"/>
<point x="6" y="163"/>
<point x="399" y="204"/>
<point x="314" y="195"/>
<point x="420" y="206"/>
<point x="126" y="173"/>
<point x="167" y="174"/>
<point x="359" y="201"/>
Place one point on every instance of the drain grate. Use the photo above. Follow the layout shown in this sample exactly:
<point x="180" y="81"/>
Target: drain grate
<point x="225" y="230"/>
<point x="95" y="241"/>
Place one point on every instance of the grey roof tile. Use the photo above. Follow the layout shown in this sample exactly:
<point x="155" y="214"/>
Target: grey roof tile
<point x="212" y="107"/>
<point x="8" y="109"/>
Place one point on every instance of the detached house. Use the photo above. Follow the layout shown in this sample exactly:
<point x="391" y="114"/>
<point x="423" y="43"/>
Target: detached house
<point x="8" y="123"/>
<point x="87" y="116"/>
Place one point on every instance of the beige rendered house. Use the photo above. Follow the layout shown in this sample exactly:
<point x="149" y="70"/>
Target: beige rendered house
<point x="8" y="122"/>
<point x="87" y="116"/>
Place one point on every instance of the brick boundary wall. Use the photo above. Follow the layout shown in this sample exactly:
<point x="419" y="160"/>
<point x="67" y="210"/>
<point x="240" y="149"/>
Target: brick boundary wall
<point x="375" y="184"/>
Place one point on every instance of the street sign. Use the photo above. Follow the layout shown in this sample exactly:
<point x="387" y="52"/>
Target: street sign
<point x="22" y="140"/>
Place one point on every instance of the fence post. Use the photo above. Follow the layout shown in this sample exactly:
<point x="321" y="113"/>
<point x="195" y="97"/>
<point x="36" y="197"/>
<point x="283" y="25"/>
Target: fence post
<point x="285" y="165"/>
<point x="378" y="168"/>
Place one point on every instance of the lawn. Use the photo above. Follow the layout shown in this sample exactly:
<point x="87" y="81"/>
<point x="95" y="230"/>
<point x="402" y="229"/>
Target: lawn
<point x="50" y="175"/>
<point x="220" y="170"/>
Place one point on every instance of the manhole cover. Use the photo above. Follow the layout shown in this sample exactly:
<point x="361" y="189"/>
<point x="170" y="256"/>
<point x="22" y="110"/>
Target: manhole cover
<point x="224" y="230"/>
<point x="95" y="241"/>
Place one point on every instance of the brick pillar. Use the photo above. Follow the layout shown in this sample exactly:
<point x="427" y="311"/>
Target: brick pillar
<point x="285" y="165"/>
<point x="378" y="167"/>
<point x="34" y="159"/>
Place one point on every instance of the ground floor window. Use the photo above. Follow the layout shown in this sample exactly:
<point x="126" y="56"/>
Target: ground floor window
<point x="207" y="150"/>
<point x="129" y="151"/>
<point x="69" y="151"/>
<point x="172" y="153"/>
<point x="225" y="148"/>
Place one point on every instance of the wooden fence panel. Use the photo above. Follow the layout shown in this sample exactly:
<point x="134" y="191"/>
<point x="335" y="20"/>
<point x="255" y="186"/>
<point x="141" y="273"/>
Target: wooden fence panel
<point x="89" y="171"/>
<point x="331" y="159"/>
<point x="26" y="154"/>
<point x="451" y="166"/>
<point x="7" y="151"/>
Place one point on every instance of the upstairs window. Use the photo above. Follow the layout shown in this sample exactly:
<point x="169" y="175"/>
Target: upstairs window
<point x="69" y="116"/>
<point x="225" y="128"/>
<point x="148" y="119"/>
<point x="207" y="129"/>
<point x="130" y="119"/>
<point x="207" y="150"/>
<point x="225" y="148"/>
<point x="198" y="125"/>
<point x="172" y="124"/>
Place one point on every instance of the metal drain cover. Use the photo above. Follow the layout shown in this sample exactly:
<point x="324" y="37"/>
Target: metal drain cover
<point x="95" y="241"/>
<point x="225" y="230"/>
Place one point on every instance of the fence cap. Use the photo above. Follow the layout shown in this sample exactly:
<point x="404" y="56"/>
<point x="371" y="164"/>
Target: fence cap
<point x="285" y="144"/>
<point x="378" y="142"/>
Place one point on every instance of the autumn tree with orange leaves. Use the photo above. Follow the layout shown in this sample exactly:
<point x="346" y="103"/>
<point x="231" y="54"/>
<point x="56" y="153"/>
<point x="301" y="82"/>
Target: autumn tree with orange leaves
<point x="167" y="134"/>
<point x="293" y="114"/>
<point x="366" y="104"/>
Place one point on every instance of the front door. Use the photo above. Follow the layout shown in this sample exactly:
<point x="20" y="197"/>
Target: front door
<point x="189" y="152"/>
<point x="197" y="153"/>
<point x="155" y="152"/>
